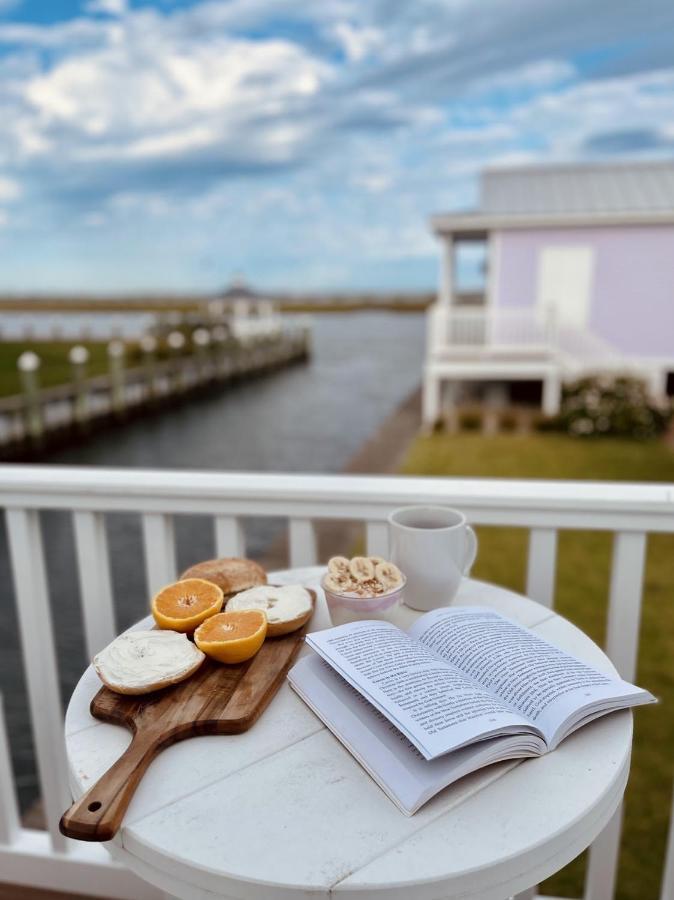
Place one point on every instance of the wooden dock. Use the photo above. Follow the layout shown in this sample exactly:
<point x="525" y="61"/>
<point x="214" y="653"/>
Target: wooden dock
<point x="68" y="412"/>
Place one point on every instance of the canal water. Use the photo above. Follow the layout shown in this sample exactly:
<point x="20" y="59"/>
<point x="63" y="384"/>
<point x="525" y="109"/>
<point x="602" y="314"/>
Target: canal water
<point x="308" y="418"/>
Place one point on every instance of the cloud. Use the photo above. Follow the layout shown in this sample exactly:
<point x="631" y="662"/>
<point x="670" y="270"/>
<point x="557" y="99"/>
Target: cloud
<point x="323" y="131"/>
<point x="107" y="7"/>
<point x="628" y="140"/>
<point x="9" y="189"/>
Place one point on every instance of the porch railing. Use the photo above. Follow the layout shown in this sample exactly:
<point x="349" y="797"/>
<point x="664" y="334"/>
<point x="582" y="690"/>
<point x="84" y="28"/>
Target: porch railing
<point x="518" y="329"/>
<point x="629" y="511"/>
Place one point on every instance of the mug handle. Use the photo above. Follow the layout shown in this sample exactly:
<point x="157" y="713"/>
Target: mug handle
<point x="471" y="550"/>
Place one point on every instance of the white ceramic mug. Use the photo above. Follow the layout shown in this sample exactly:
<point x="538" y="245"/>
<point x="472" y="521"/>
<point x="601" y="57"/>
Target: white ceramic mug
<point x="435" y="547"/>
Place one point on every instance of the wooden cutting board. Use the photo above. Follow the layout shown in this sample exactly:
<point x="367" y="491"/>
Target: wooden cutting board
<point x="217" y="699"/>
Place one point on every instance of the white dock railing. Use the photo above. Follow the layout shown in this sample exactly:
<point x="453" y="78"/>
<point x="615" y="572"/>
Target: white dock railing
<point x="46" y="859"/>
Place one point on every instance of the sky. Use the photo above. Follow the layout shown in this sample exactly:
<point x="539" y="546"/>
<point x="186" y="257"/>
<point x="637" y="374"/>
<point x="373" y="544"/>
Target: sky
<point x="167" y="146"/>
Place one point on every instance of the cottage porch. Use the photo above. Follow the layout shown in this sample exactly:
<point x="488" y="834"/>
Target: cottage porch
<point x="490" y="344"/>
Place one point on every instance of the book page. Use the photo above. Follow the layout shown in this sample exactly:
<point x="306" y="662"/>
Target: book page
<point x="435" y="705"/>
<point x="386" y="754"/>
<point x="541" y="681"/>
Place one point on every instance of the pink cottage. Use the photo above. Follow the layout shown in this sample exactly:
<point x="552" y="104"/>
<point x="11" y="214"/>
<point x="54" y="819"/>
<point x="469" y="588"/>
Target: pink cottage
<point x="578" y="279"/>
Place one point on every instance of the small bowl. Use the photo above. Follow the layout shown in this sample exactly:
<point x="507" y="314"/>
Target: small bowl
<point x="351" y="609"/>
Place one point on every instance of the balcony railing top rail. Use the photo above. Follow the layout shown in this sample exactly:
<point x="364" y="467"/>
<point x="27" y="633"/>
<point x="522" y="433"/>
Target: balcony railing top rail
<point x="490" y="500"/>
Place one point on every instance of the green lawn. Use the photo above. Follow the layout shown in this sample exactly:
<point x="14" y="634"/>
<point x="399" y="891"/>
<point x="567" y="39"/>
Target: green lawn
<point x="55" y="368"/>
<point x="581" y="596"/>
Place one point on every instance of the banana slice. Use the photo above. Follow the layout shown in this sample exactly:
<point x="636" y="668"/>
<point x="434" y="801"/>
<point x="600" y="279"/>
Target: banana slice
<point x="388" y="575"/>
<point x="336" y="584"/>
<point x="361" y="568"/>
<point x="339" y="566"/>
<point x="375" y="560"/>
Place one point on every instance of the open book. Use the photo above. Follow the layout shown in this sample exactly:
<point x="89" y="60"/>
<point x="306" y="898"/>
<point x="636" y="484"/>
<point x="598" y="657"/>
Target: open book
<point x="463" y="688"/>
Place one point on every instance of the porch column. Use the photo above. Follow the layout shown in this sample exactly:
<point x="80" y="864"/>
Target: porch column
<point x="430" y="399"/>
<point x="552" y="390"/>
<point x="446" y="295"/>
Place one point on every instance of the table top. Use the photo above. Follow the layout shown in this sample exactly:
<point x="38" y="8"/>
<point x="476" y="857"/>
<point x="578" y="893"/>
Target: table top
<point x="284" y="810"/>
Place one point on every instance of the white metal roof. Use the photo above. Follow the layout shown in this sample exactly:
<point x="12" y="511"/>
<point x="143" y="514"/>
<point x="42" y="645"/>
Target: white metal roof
<point x="601" y="193"/>
<point x="608" y="188"/>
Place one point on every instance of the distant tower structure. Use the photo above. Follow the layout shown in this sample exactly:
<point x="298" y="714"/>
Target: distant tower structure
<point x="247" y="311"/>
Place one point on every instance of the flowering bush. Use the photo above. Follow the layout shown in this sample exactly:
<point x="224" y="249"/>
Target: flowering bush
<point x="611" y="406"/>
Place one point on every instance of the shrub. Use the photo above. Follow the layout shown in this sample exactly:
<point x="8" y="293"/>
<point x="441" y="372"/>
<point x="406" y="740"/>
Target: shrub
<point x="611" y="406"/>
<point x="470" y="420"/>
<point x="508" y="421"/>
<point x="541" y="422"/>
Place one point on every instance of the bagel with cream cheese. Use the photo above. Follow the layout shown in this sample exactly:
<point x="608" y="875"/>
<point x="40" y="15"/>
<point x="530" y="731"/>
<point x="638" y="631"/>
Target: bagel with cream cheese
<point x="287" y="608"/>
<point x="138" y="662"/>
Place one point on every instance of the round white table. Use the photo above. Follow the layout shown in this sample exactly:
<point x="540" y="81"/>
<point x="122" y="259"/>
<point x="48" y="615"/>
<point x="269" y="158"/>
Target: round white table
<point x="284" y="811"/>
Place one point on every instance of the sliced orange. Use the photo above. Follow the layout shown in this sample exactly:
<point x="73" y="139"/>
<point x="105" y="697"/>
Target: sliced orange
<point x="185" y="604"/>
<point x="232" y="637"/>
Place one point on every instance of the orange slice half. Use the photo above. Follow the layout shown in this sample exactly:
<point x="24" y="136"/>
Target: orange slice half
<point x="232" y="637"/>
<point x="184" y="605"/>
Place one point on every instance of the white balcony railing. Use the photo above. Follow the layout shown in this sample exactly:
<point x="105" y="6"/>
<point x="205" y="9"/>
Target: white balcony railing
<point x="50" y="860"/>
<point x="522" y="330"/>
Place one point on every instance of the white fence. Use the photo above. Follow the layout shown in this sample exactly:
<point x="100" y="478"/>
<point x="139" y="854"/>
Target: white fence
<point x="50" y="860"/>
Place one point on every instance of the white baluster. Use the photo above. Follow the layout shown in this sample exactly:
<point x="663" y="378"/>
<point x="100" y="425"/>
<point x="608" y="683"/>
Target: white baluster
<point x="229" y="536"/>
<point x="39" y="656"/>
<point x="376" y="539"/>
<point x="541" y="565"/>
<point x="602" y="867"/>
<point x="667" y="889"/>
<point x="624" y="615"/>
<point x="9" y="812"/>
<point x="160" y="553"/>
<point x="95" y="586"/>
<point x="622" y="641"/>
<point x="303" y="543"/>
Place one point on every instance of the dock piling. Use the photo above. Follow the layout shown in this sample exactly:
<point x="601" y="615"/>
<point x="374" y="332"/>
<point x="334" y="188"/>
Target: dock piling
<point x="201" y="340"/>
<point x="29" y="370"/>
<point x="79" y="357"/>
<point x="176" y="343"/>
<point x="116" y="351"/>
<point x="148" y="346"/>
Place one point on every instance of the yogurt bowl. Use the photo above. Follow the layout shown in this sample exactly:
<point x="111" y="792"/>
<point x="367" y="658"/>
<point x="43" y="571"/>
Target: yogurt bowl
<point x="345" y="608"/>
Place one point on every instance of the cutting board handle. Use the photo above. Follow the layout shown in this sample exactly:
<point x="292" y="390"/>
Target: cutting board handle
<point x="98" y="814"/>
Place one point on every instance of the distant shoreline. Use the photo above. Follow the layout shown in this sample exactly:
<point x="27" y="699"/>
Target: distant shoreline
<point x="288" y="303"/>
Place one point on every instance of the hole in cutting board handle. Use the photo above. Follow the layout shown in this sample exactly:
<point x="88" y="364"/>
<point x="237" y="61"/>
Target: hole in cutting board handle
<point x="95" y="806"/>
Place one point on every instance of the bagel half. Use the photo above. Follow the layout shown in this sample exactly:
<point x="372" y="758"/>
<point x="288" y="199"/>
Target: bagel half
<point x="287" y="607"/>
<point x="138" y="662"/>
<point x="232" y="574"/>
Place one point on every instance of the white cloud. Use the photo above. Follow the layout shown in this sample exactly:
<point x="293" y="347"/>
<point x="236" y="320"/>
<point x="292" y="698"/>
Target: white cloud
<point x="9" y="189"/>
<point x="207" y="128"/>
<point x="357" y="43"/>
<point x="109" y="7"/>
<point x="150" y="96"/>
